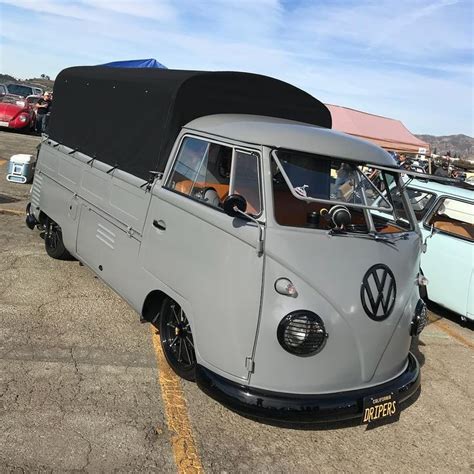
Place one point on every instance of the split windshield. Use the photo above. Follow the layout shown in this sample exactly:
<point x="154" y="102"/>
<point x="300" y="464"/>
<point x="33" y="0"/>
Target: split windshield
<point x="307" y="187"/>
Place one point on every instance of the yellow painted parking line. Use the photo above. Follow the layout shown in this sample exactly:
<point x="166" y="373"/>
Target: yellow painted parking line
<point x="445" y="327"/>
<point x="185" y="452"/>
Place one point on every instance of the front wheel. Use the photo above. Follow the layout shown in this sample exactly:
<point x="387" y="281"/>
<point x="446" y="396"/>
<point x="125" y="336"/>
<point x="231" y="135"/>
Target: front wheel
<point x="177" y="340"/>
<point x="54" y="245"/>
<point x="424" y="292"/>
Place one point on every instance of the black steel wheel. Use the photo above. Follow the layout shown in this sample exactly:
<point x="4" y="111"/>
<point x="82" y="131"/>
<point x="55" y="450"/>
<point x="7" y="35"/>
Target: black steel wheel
<point x="177" y="340"/>
<point x="30" y="219"/>
<point x="53" y="243"/>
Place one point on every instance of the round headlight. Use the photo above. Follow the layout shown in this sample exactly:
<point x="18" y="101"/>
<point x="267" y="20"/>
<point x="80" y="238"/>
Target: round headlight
<point x="420" y="320"/>
<point x="302" y="333"/>
<point x="23" y="118"/>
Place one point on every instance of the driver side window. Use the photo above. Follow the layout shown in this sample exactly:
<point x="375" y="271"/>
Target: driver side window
<point x="202" y="171"/>
<point x="209" y="172"/>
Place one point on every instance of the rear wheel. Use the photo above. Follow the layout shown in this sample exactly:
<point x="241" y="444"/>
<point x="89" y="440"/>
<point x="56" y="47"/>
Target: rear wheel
<point x="30" y="219"/>
<point x="53" y="243"/>
<point x="177" y="340"/>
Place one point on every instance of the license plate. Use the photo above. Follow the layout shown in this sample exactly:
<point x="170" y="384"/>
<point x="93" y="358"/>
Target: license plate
<point x="3" y="124"/>
<point x="379" y="407"/>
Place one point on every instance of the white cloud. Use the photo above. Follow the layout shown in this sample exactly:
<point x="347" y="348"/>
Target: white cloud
<point x="94" y="10"/>
<point x="54" y="7"/>
<point x="161" y="10"/>
<point x="411" y="60"/>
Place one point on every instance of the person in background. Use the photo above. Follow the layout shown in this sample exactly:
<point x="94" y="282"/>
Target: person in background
<point x="345" y="174"/>
<point x="402" y="161"/>
<point x="442" y="170"/>
<point x="42" y="109"/>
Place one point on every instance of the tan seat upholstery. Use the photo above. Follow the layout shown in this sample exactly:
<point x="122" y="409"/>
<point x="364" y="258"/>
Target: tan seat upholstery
<point x="446" y="224"/>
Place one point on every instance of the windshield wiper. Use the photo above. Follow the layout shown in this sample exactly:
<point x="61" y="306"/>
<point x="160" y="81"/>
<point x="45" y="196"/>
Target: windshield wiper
<point x="388" y="240"/>
<point x="370" y="235"/>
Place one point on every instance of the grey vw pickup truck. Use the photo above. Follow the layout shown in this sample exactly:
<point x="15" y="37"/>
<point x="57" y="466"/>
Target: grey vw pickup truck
<point x="265" y="246"/>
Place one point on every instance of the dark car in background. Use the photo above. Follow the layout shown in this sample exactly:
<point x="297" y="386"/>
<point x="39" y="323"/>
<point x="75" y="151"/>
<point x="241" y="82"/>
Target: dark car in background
<point x="23" y="90"/>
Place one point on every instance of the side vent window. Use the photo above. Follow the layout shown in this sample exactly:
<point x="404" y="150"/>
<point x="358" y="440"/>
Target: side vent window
<point x="245" y="180"/>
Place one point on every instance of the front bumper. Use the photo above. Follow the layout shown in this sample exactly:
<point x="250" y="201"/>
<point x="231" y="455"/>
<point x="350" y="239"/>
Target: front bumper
<point x="295" y="408"/>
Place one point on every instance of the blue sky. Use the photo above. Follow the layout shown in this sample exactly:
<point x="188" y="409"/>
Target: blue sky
<point x="407" y="59"/>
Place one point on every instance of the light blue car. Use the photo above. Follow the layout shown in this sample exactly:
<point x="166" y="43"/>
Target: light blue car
<point x="446" y="217"/>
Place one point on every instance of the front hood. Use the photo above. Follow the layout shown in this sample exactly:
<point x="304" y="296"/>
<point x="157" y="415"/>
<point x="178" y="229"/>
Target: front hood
<point x="328" y="272"/>
<point x="9" y="111"/>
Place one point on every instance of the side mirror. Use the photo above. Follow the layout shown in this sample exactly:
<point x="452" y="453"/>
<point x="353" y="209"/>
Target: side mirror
<point x="340" y="216"/>
<point x="234" y="205"/>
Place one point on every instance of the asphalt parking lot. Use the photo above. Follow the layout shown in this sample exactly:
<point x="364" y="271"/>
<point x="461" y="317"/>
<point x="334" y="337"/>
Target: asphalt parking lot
<point x="83" y="385"/>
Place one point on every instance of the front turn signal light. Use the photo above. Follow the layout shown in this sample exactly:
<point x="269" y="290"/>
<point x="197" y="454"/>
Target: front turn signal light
<point x="286" y="287"/>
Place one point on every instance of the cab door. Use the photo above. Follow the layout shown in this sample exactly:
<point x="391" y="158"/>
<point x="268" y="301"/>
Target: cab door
<point x="206" y="256"/>
<point x="448" y="261"/>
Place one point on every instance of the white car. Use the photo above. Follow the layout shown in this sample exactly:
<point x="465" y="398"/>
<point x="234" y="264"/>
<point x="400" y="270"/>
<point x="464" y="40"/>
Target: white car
<point x="446" y="217"/>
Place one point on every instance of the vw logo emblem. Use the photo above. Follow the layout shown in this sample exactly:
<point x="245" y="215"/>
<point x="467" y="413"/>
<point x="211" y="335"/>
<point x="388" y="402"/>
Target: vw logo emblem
<point x="378" y="292"/>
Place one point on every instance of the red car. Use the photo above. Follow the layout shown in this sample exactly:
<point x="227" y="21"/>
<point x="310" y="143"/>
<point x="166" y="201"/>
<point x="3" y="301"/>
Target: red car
<point x="17" y="112"/>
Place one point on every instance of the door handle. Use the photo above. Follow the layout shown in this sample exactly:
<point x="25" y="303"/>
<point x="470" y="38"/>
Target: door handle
<point x="159" y="224"/>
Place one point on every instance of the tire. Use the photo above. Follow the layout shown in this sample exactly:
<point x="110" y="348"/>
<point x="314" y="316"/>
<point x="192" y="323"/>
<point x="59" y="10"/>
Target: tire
<point x="424" y="292"/>
<point x="54" y="245"/>
<point x="30" y="219"/>
<point x="177" y="340"/>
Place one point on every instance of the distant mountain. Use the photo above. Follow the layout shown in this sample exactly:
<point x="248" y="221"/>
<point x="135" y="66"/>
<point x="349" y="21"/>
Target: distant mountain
<point x="461" y="145"/>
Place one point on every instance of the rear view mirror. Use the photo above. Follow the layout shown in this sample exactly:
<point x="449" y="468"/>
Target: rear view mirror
<point x="234" y="205"/>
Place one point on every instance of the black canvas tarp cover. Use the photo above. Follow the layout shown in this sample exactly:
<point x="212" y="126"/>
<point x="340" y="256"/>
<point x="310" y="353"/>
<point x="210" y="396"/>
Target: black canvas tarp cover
<point x="130" y="118"/>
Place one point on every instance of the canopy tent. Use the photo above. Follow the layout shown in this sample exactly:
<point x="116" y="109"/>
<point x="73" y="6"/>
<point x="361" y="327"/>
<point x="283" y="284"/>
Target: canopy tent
<point x="388" y="133"/>
<point x="134" y="63"/>
<point x="133" y="116"/>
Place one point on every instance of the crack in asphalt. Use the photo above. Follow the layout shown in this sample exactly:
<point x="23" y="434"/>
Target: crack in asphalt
<point x="89" y="449"/>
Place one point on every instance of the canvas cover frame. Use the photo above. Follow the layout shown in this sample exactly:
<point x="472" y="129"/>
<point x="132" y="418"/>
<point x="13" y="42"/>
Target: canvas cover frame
<point x="130" y="118"/>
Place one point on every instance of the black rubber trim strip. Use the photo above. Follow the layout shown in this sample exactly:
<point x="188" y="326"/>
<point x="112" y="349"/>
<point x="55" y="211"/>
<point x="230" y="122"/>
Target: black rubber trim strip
<point x="295" y="408"/>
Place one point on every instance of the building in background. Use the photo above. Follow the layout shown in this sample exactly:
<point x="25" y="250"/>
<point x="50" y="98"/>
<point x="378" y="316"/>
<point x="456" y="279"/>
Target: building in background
<point x="388" y="133"/>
